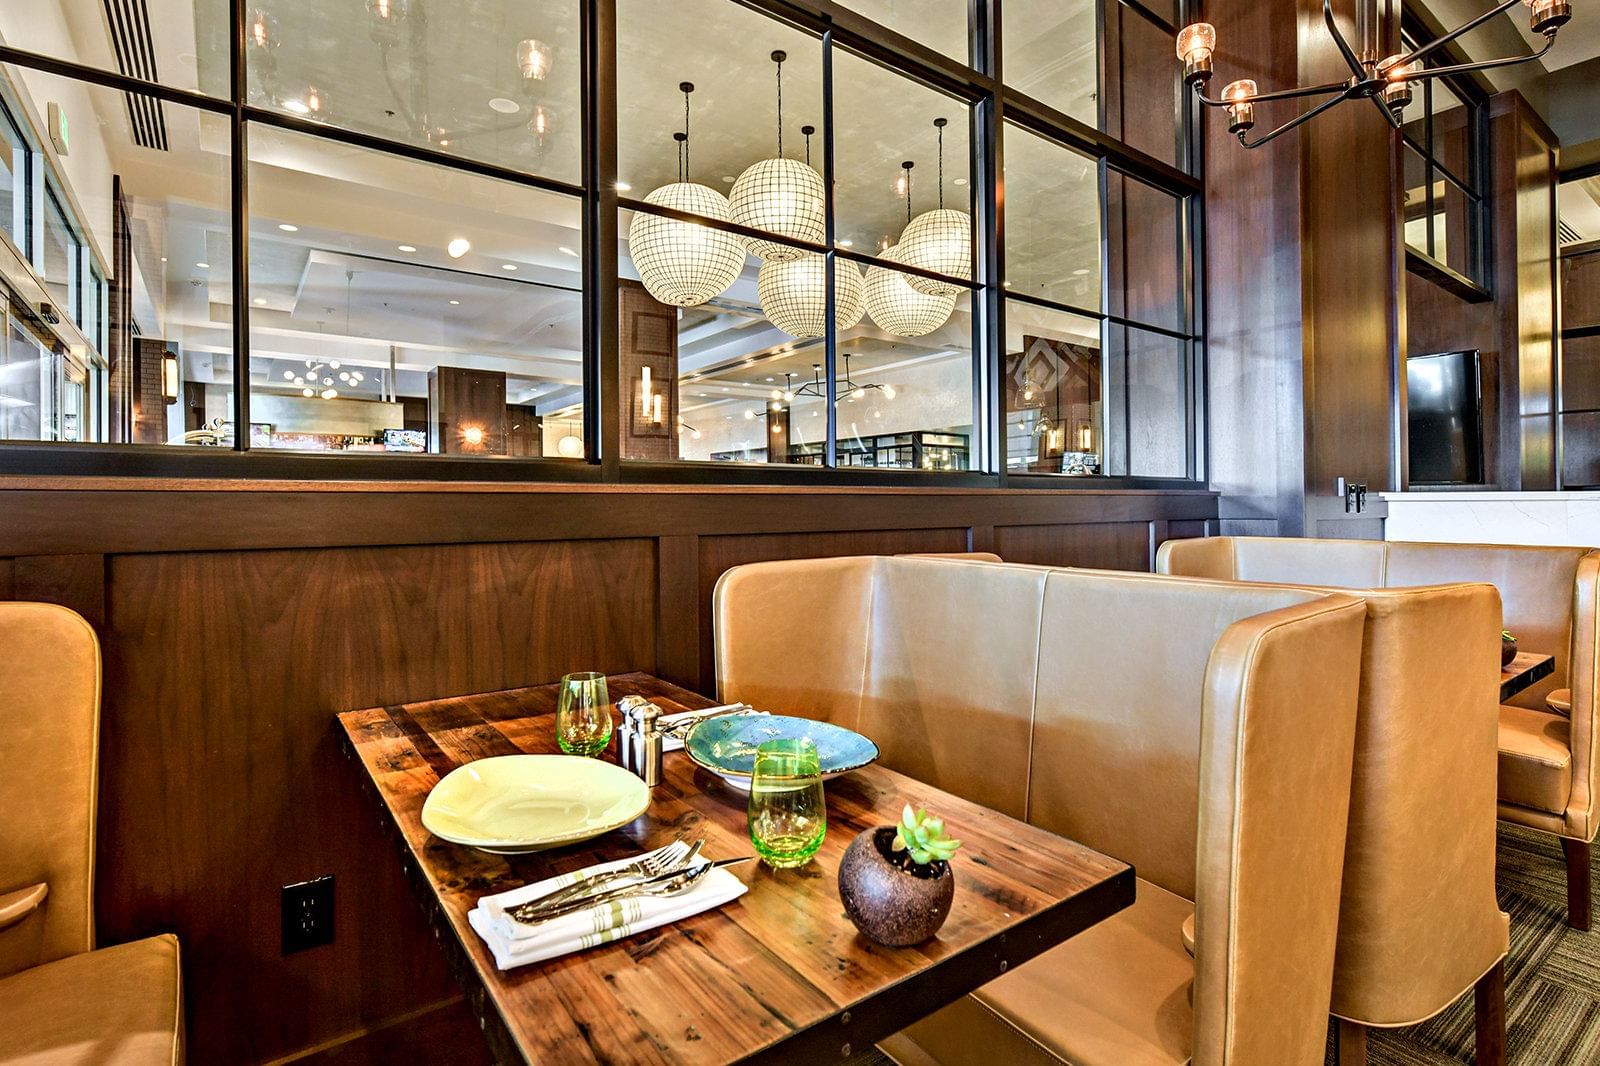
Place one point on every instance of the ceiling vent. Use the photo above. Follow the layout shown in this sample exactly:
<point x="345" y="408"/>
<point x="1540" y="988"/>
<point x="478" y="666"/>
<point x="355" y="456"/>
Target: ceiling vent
<point x="1567" y="234"/>
<point x="129" y="22"/>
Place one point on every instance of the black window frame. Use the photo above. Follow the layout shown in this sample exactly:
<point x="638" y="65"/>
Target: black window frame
<point x="1476" y="281"/>
<point x="980" y="81"/>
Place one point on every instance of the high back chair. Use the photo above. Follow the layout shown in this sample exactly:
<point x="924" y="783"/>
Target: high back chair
<point x="1548" y="743"/>
<point x="1233" y="722"/>
<point x="61" y="1000"/>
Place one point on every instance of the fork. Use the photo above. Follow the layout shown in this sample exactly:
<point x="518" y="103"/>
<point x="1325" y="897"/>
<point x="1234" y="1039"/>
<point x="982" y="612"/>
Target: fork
<point x="652" y="864"/>
<point x="676" y="884"/>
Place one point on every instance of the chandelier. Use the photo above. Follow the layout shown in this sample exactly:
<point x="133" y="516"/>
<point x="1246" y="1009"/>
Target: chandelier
<point x="317" y="379"/>
<point x="938" y="240"/>
<point x="779" y="195"/>
<point x="685" y="263"/>
<point x="848" y="387"/>
<point x="1386" y="82"/>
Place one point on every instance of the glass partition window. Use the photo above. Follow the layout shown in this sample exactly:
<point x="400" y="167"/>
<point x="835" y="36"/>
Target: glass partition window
<point x="1445" y="171"/>
<point x="806" y="214"/>
<point x="1106" y="63"/>
<point x="369" y="332"/>
<point x="497" y="82"/>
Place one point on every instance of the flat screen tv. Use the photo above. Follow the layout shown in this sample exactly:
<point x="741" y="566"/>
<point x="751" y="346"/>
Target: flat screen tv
<point x="1445" y="419"/>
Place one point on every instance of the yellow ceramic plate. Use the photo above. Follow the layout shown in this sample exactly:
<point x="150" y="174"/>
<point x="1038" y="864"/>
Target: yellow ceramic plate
<point x="516" y="803"/>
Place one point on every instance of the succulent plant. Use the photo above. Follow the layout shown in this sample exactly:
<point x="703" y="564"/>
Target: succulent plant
<point x="923" y="838"/>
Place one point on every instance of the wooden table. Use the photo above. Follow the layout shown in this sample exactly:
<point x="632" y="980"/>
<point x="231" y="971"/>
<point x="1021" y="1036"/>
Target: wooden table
<point x="778" y="975"/>
<point x="1523" y="672"/>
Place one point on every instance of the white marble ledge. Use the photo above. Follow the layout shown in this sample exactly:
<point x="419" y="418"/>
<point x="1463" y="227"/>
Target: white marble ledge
<point x="1546" y="518"/>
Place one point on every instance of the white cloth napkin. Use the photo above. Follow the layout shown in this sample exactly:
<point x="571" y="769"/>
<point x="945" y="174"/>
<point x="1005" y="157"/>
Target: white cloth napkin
<point x="515" y="944"/>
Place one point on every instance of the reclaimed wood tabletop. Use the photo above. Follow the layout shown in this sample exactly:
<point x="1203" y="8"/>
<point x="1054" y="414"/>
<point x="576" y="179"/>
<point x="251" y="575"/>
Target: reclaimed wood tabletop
<point x="1523" y="672"/>
<point x="779" y="974"/>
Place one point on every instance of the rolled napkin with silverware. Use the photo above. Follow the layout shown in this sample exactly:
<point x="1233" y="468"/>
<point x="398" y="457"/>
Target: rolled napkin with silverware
<point x="620" y="910"/>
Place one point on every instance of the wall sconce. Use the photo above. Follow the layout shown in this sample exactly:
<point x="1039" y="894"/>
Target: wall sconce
<point x="1195" y="45"/>
<point x="170" y="377"/>
<point x="473" y="436"/>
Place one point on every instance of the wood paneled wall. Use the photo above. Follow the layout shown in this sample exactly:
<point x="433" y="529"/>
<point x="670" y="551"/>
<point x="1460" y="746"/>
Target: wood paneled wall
<point x="237" y="619"/>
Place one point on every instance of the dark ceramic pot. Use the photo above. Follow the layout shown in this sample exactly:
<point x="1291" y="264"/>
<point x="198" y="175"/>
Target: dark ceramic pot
<point x="890" y="898"/>
<point x="1508" y="651"/>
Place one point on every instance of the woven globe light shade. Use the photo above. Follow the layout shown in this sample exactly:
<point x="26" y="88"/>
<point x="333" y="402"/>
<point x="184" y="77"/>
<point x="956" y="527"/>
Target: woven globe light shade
<point x="782" y="196"/>
<point x="940" y="241"/>
<point x="898" y="308"/>
<point x="685" y="263"/>
<point x="794" y="295"/>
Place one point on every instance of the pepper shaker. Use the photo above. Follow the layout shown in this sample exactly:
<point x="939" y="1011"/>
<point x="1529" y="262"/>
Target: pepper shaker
<point x="640" y="744"/>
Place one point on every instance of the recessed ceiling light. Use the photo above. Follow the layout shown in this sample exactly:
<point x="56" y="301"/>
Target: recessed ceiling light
<point x="774" y="379"/>
<point x="455" y="303"/>
<point x="287" y="228"/>
<point x="260" y="301"/>
<point x="297" y="106"/>
<point x="406" y="247"/>
<point x="508" y="266"/>
<point x="728" y="178"/>
<point x="623" y="186"/>
<point x="564" y="250"/>
<point x="504" y="106"/>
<point x="847" y="243"/>
<point x="458" y="247"/>
<point x="961" y="181"/>
<point x="203" y="266"/>
<point x="163" y="259"/>
<point x="1079" y="273"/>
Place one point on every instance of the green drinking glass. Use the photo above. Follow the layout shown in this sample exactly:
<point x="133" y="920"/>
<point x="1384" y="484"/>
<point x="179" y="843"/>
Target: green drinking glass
<point x="583" y="716"/>
<point x="788" y="816"/>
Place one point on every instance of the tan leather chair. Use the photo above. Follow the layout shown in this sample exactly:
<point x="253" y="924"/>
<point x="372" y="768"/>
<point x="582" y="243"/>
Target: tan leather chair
<point x="61" y="1001"/>
<point x="993" y="682"/>
<point x="1549" y="745"/>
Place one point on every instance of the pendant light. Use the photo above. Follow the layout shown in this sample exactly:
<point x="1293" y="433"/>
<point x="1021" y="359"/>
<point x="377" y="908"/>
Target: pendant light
<point x="939" y="240"/>
<point x="782" y="196"/>
<point x="794" y="292"/>
<point x="894" y="305"/>
<point x="685" y="263"/>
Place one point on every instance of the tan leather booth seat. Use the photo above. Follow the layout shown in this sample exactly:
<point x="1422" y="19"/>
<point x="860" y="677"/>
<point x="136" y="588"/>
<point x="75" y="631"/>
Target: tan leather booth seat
<point x="1549" y="748"/>
<point x="1202" y="731"/>
<point x="61" y="1001"/>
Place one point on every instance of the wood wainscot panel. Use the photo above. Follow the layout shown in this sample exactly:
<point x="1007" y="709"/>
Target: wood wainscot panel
<point x="74" y="581"/>
<point x="1101" y="545"/>
<point x="7" y="586"/>
<point x="222" y="780"/>
<point x="719" y="554"/>
<point x="1580" y="289"/>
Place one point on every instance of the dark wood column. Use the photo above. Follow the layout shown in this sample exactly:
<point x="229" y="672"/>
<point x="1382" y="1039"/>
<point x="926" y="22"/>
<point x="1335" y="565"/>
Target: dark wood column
<point x="466" y="411"/>
<point x="1303" y="279"/>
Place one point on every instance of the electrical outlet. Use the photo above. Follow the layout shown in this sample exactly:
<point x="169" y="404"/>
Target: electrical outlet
<point x="307" y="914"/>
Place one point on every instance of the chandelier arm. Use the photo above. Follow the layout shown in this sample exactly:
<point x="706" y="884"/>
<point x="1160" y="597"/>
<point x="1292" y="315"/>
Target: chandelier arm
<point x="1386" y="111"/>
<point x="1325" y="89"/>
<point x="1345" y="50"/>
<point x="1293" y="123"/>
<point x="1490" y="64"/>
<point x="1460" y="31"/>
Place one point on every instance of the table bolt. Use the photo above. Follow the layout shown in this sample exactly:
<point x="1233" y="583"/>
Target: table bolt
<point x="1004" y="965"/>
<point x="845" y="1017"/>
<point x="844" y="1052"/>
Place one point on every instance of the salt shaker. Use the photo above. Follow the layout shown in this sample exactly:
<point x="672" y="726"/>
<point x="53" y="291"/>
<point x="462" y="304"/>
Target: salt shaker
<point x="640" y="743"/>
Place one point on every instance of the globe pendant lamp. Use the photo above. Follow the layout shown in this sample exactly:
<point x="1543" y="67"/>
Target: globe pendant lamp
<point x="794" y="295"/>
<point x="782" y="196"/>
<point x="939" y="240"/>
<point x="685" y="263"/>
<point x="893" y="304"/>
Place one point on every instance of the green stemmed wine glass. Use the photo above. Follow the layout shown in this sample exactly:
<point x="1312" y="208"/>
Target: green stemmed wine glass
<point x="583" y="716"/>
<point x="788" y="816"/>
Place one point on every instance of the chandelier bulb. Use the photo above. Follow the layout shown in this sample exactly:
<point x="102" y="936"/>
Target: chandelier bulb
<point x="1196" y="43"/>
<point x="1239" y="97"/>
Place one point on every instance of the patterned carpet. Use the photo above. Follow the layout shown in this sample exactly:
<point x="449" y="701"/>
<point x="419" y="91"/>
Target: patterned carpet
<point x="1552" y="976"/>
